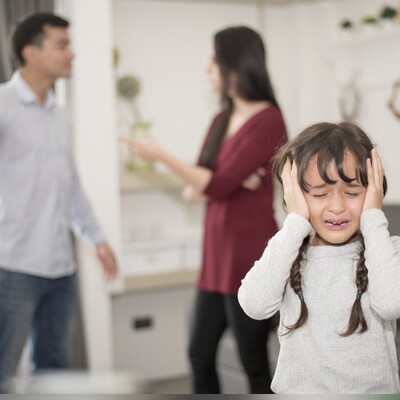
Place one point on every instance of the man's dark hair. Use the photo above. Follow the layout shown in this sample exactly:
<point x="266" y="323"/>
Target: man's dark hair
<point x="31" y="31"/>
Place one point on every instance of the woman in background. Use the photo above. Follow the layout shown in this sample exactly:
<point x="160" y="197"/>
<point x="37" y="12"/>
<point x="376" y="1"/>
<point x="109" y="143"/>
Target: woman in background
<point x="233" y="176"/>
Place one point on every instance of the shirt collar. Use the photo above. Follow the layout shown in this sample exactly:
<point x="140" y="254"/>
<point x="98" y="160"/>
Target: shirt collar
<point x="27" y="95"/>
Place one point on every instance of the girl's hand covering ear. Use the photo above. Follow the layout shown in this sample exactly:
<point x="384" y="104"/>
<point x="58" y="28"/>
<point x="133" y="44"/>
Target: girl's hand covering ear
<point x="374" y="196"/>
<point x="292" y="193"/>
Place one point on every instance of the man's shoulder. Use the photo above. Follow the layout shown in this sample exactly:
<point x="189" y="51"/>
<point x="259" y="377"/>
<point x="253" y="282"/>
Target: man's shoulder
<point x="5" y="91"/>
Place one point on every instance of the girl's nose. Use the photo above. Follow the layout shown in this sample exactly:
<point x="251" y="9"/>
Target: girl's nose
<point x="336" y="204"/>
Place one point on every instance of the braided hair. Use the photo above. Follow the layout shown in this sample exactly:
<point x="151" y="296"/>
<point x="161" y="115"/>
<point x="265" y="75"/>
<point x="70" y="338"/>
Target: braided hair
<point x="328" y="142"/>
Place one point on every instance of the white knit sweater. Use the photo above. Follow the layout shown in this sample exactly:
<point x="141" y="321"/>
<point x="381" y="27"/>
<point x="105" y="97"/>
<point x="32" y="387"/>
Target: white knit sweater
<point x="315" y="358"/>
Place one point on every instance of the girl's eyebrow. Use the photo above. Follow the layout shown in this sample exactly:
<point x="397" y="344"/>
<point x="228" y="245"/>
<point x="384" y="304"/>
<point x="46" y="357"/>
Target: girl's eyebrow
<point x="323" y="185"/>
<point x="319" y="186"/>
<point x="355" y="185"/>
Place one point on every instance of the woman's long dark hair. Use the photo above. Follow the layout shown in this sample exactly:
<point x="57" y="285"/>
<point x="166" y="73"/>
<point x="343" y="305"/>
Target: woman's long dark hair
<point x="240" y="55"/>
<point x="329" y="142"/>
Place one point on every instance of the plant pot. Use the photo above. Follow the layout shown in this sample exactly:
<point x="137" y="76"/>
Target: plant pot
<point x="389" y="24"/>
<point x="135" y="164"/>
<point x="369" y="30"/>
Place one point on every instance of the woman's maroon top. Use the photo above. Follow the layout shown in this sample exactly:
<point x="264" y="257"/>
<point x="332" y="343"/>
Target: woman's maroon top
<point x="238" y="221"/>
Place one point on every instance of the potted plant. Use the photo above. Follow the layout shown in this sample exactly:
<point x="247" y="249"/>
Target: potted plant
<point x="369" y="24"/>
<point x="128" y="88"/>
<point x="369" y="20"/>
<point x="388" y="12"/>
<point x="346" y="24"/>
<point x="388" y="16"/>
<point x="346" y="28"/>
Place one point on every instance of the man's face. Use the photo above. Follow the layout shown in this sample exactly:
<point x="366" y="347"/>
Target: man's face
<point x="53" y="58"/>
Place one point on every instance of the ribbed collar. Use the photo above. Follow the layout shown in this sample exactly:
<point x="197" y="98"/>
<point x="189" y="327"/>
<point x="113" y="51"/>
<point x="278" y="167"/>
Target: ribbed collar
<point x="333" y="251"/>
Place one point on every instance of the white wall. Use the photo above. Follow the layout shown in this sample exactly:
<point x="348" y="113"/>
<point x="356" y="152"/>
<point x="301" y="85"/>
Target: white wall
<point x="92" y="107"/>
<point x="309" y="70"/>
<point x="167" y="45"/>
<point x="294" y="35"/>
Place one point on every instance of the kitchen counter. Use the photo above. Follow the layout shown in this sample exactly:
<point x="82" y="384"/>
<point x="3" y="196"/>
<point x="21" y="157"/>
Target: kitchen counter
<point x="154" y="281"/>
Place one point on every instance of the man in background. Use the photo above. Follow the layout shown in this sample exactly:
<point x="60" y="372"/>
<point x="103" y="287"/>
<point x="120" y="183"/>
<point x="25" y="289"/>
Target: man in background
<point x="41" y="202"/>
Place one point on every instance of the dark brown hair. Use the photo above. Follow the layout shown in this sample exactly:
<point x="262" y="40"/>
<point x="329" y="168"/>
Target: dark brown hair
<point x="329" y="142"/>
<point x="239" y="51"/>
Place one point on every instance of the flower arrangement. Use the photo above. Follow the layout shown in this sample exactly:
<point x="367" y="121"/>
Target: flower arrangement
<point x="128" y="88"/>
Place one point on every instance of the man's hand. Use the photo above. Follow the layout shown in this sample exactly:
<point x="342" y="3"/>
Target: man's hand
<point x="107" y="260"/>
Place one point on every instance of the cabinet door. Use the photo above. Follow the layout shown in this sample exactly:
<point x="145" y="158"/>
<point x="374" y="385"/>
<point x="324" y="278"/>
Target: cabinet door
<point x="150" y="332"/>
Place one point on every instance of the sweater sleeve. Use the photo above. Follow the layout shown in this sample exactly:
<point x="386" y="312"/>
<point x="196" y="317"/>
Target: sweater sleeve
<point x="382" y="258"/>
<point x="261" y="292"/>
<point x="255" y="150"/>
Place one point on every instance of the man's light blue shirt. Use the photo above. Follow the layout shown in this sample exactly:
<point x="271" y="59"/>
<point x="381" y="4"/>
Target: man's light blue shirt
<point x="41" y="199"/>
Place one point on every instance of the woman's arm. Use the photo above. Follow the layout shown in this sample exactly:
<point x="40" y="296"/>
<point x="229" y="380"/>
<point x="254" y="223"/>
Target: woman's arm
<point x="191" y="195"/>
<point x="150" y="150"/>
<point x="253" y="183"/>
<point x="255" y="149"/>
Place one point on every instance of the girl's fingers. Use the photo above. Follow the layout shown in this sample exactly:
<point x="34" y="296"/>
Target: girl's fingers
<point x="374" y="195"/>
<point x="370" y="172"/>
<point x="375" y="169"/>
<point x="286" y="172"/>
<point x="378" y="168"/>
<point x="294" y="171"/>
<point x="289" y="174"/>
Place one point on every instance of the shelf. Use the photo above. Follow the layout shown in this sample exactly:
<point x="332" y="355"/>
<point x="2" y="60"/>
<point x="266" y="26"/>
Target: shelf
<point x="131" y="182"/>
<point x="360" y="41"/>
<point x="370" y="59"/>
<point x="156" y="280"/>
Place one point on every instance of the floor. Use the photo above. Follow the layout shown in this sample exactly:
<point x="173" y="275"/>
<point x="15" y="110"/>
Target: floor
<point x="175" y="386"/>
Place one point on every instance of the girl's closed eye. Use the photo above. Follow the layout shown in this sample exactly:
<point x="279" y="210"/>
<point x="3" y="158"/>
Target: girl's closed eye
<point x="353" y="194"/>
<point x="319" y="195"/>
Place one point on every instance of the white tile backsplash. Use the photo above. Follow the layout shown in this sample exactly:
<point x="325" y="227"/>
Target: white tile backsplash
<point x="160" y="232"/>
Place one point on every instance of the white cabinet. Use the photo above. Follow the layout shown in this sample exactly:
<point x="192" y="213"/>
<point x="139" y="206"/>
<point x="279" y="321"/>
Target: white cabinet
<point x="160" y="258"/>
<point x="151" y="331"/>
